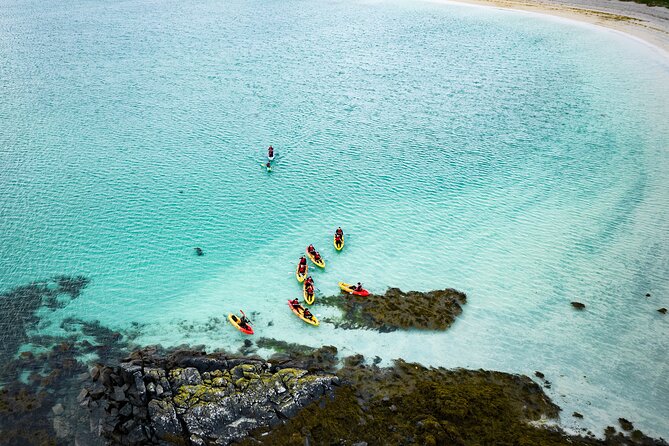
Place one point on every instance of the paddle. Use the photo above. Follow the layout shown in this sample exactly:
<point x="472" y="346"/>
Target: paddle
<point x="248" y="321"/>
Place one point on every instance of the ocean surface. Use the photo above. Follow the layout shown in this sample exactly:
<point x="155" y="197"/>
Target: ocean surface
<point x="519" y="158"/>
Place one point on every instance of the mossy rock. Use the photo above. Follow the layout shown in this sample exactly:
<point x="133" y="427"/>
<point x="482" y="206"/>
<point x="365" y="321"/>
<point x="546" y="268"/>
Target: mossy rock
<point x="433" y="310"/>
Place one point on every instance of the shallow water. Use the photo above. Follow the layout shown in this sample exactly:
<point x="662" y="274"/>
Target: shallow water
<point x="518" y="158"/>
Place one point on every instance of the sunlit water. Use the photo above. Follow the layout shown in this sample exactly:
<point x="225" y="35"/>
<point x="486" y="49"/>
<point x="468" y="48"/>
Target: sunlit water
<point x="518" y="158"/>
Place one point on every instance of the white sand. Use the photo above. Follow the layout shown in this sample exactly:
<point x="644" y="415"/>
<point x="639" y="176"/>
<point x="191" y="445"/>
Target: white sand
<point x="648" y="23"/>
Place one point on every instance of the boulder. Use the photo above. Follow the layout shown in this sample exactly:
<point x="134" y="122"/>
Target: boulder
<point x="164" y="419"/>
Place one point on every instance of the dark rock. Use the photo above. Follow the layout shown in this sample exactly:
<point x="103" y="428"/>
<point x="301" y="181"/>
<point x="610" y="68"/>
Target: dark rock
<point x="647" y="294"/>
<point x="199" y="251"/>
<point x="118" y="394"/>
<point x="58" y="409"/>
<point x="126" y="410"/>
<point x="433" y="310"/>
<point x="625" y="424"/>
<point x="164" y="420"/>
<point x="82" y="395"/>
<point x="539" y="375"/>
<point x="577" y="415"/>
<point x="354" y="360"/>
<point x="578" y="305"/>
<point x="663" y="310"/>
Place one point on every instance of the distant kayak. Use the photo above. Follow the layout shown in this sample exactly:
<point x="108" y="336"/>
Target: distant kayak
<point x="338" y="247"/>
<point x="308" y="298"/>
<point x="299" y="312"/>
<point x="234" y="320"/>
<point x="301" y="277"/>
<point x="350" y="289"/>
<point x="320" y="263"/>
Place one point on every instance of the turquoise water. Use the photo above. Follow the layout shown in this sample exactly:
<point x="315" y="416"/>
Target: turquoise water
<point x="518" y="158"/>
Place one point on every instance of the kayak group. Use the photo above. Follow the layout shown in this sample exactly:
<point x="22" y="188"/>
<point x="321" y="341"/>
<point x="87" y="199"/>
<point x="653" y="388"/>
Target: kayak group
<point x="308" y="288"/>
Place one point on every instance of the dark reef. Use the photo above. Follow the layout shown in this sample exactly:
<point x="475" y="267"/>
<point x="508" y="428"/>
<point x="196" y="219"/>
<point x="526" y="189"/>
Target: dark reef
<point x="396" y="309"/>
<point x="54" y="395"/>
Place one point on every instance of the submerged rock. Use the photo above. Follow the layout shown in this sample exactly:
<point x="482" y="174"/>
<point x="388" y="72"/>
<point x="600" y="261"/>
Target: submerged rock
<point x="663" y="310"/>
<point x="396" y="309"/>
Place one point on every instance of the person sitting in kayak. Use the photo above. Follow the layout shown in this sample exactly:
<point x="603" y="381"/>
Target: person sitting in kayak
<point x="302" y="269"/>
<point x="307" y="314"/>
<point x="339" y="232"/>
<point x="270" y="152"/>
<point x="357" y="287"/>
<point x="303" y="260"/>
<point x="311" y="249"/>
<point x="317" y="257"/>
<point x="244" y="321"/>
<point x="268" y="165"/>
<point x="295" y="303"/>
<point x="309" y="289"/>
<point x="308" y="281"/>
<point x="338" y="239"/>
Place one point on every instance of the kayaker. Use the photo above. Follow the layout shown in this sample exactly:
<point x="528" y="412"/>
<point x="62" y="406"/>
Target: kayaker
<point x="317" y="256"/>
<point x="244" y="321"/>
<point x="307" y="314"/>
<point x="309" y="281"/>
<point x="311" y="249"/>
<point x="270" y="152"/>
<point x="303" y="260"/>
<point x="302" y="269"/>
<point x="268" y="165"/>
<point x="295" y="303"/>
<point x="309" y="289"/>
<point x="357" y="287"/>
<point x="339" y="232"/>
<point x="338" y="239"/>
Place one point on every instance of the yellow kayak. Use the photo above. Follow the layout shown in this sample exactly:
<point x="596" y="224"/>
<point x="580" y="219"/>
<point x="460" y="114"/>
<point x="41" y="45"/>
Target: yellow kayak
<point x="234" y="320"/>
<point x="334" y="242"/>
<point x="301" y="277"/>
<point x="320" y="263"/>
<point x="299" y="312"/>
<point x="308" y="298"/>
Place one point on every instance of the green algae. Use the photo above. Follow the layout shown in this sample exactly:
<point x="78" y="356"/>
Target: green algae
<point x="413" y="405"/>
<point x="433" y="310"/>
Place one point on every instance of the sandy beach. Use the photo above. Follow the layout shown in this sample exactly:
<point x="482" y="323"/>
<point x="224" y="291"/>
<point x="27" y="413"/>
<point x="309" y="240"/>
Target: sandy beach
<point x="648" y="23"/>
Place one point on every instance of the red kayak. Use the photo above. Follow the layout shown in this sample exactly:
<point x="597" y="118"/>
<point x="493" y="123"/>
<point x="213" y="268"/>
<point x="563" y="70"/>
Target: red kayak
<point x="350" y="289"/>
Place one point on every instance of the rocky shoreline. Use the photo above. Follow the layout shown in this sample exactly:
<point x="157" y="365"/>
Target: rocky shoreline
<point x="193" y="398"/>
<point x="307" y="396"/>
<point x="54" y="395"/>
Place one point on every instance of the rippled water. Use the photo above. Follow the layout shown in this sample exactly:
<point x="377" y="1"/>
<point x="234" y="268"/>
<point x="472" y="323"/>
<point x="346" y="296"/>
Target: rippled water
<point x="519" y="158"/>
